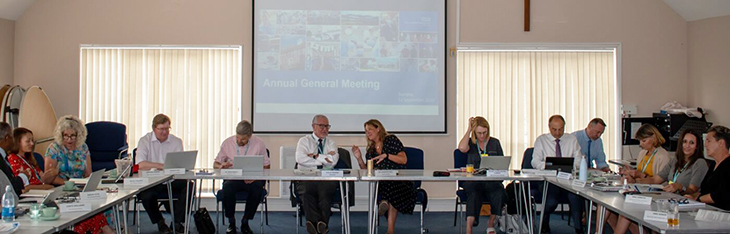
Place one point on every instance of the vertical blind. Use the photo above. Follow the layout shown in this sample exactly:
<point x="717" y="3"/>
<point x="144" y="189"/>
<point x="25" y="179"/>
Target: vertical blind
<point x="198" y="88"/>
<point x="518" y="91"/>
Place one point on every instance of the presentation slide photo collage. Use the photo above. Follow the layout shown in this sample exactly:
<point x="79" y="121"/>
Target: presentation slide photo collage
<point x="383" y="41"/>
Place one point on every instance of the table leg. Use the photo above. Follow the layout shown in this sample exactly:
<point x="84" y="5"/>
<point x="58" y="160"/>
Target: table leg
<point x="124" y="213"/>
<point x="371" y="223"/>
<point x="590" y="216"/>
<point x="641" y="229"/>
<point x="343" y="210"/>
<point x="115" y="209"/>
<point x="347" y="213"/>
<point x="529" y="220"/>
<point x="601" y="222"/>
<point x="542" y="206"/>
<point x="169" y="199"/>
<point x="518" y="198"/>
<point x="532" y="211"/>
<point x="187" y="206"/>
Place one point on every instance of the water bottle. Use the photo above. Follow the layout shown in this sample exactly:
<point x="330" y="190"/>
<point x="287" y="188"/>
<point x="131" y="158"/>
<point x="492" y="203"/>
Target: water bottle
<point x="9" y="204"/>
<point x="583" y="173"/>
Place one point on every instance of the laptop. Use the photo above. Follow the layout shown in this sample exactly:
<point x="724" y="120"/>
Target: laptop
<point x="91" y="184"/>
<point x="564" y="164"/>
<point x="249" y="163"/>
<point x="183" y="159"/>
<point x="120" y="177"/>
<point x="50" y="200"/>
<point x="496" y="162"/>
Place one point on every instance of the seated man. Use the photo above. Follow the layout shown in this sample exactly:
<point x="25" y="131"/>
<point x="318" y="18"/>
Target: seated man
<point x="152" y="150"/>
<point x="6" y="142"/>
<point x="317" y="151"/>
<point x="243" y="143"/>
<point x="558" y="144"/>
<point x="714" y="189"/>
<point x="591" y="144"/>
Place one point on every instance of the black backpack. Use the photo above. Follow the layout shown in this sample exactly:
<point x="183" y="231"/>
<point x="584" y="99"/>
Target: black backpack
<point x="203" y="222"/>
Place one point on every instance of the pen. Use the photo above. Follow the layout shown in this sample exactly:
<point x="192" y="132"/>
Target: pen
<point x="637" y="188"/>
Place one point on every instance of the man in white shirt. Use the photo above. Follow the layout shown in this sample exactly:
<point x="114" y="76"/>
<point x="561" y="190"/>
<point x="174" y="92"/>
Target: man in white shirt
<point x="558" y="144"/>
<point x="151" y="152"/>
<point x="317" y="151"/>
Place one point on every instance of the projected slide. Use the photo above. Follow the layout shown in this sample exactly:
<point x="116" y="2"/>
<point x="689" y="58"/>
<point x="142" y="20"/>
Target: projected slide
<point x="350" y="61"/>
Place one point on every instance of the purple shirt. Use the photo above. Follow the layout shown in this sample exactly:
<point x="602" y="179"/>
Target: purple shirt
<point x="229" y="150"/>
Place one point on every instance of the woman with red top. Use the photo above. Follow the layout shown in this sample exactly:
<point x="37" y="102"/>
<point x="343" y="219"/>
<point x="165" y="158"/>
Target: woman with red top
<point x="22" y="161"/>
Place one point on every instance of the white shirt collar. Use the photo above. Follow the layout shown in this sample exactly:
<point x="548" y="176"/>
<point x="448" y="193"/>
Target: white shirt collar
<point x="316" y="137"/>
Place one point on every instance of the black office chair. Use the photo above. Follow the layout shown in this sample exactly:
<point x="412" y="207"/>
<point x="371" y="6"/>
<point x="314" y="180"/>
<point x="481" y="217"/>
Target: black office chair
<point x="415" y="161"/>
<point x="241" y="198"/>
<point x="536" y="186"/>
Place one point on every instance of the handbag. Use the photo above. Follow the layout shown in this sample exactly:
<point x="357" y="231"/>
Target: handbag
<point x="203" y="222"/>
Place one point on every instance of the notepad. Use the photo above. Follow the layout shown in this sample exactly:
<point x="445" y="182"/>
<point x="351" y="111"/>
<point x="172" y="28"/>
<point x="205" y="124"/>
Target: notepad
<point x="37" y="193"/>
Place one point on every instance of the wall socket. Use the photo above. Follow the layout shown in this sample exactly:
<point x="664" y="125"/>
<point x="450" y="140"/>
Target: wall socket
<point x="629" y="109"/>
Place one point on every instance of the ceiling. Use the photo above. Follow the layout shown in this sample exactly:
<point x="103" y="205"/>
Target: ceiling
<point x="13" y="9"/>
<point x="690" y="10"/>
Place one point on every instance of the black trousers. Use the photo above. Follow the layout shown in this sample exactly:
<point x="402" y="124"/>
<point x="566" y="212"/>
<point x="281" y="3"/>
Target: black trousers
<point x="255" y="192"/>
<point x="149" y="200"/>
<point x="575" y="202"/>
<point x="316" y="199"/>
<point x="478" y="192"/>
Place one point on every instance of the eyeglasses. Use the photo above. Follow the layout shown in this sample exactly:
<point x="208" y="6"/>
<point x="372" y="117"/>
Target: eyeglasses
<point x="164" y="129"/>
<point x="679" y="201"/>
<point x="69" y="137"/>
<point x="327" y="126"/>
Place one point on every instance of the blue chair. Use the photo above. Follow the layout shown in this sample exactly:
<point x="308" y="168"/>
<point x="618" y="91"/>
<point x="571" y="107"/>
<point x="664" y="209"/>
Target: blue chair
<point x="415" y="161"/>
<point x="40" y="160"/>
<point x="241" y="198"/>
<point x="107" y="141"/>
<point x="460" y="160"/>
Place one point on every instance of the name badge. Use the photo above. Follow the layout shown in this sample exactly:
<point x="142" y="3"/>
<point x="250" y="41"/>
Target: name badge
<point x="152" y="173"/>
<point x="386" y="172"/>
<point x="93" y="196"/>
<point x="497" y="173"/>
<point x="578" y="183"/>
<point x="564" y="175"/>
<point x="655" y="216"/>
<point x="231" y="172"/>
<point x="74" y="207"/>
<point x="332" y="173"/>
<point x="637" y="199"/>
<point x="175" y="171"/>
<point x="136" y="181"/>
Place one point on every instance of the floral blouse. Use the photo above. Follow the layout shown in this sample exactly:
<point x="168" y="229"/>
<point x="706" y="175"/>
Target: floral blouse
<point x="20" y="165"/>
<point x="71" y="164"/>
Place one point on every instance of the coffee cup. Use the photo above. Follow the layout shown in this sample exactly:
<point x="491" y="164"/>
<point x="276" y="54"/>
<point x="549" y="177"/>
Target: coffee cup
<point x="48" y="211"/>
<point x="69" y="185"/>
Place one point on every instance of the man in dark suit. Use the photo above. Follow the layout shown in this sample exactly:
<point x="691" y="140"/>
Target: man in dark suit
<point x="6" y="142"/>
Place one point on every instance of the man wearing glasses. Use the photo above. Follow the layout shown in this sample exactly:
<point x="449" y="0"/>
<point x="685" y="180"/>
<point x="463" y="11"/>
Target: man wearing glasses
<point x="317" y="151"/>
<point x="151" y="152"/>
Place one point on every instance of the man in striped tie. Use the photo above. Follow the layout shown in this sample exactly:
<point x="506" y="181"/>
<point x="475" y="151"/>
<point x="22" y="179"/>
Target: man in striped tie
<point x="558" y="144"/>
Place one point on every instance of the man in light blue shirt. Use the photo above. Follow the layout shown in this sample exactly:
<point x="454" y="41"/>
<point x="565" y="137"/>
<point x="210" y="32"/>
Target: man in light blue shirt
<point x="591" y="144"/>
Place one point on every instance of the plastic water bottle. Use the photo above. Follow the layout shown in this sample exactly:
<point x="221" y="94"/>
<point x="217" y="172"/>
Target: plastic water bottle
<point x="9" y="204"/>
<point x="583" y="173"/>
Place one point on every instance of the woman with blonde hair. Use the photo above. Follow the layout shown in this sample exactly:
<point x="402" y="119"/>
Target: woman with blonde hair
<point x="387" y="153"/>
<point x="478" y="143"/>
<point x="654" y="157"/>
<point x="68" y="157"/>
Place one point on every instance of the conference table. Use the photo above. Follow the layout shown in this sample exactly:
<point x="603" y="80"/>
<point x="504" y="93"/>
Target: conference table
<point x="427" y="175"/>
<point x="616" y="202"/>
<point x="341" y="176"/>
<point x="113" y="201"/>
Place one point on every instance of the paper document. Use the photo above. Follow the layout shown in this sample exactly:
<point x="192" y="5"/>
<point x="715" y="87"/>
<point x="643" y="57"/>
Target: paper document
<point x="37" y="193"/>
<point x="79" y="180"/>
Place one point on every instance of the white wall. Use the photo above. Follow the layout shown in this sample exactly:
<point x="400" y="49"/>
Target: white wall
<point x="709" y="73"/>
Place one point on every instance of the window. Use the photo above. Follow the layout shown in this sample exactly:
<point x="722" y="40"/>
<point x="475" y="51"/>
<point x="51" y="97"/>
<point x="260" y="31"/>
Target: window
<point x="517" y="91"/>
<point x="198" y="88"/>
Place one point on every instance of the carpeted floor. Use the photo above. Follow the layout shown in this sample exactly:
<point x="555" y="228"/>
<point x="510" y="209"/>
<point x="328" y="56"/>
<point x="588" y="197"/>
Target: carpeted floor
<point x="285" y="222"/>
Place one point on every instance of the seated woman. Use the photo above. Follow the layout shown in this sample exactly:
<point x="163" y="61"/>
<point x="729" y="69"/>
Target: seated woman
<point x="714" y="190"/>
<point x="22" y="161"/>
<point x="684" y="176"/>
<point x="387" y="153"/>
<point x="476" y="143"/>
<point x="68" y="157"/>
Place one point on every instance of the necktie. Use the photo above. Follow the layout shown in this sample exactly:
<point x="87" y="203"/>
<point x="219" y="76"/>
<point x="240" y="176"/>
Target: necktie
<point x="320" y="147"/>
<point x="588" y="154"/>
<point x="557" y="148"/>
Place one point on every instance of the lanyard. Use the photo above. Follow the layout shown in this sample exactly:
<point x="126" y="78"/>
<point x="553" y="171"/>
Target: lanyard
<point x="481" y="152"/>
<point x="676" y="173"/>
<point x="643" y="170"/>
<point x="244" y="152"/>
<point x="320" y="150"/>
<point x="30" y="166"/>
